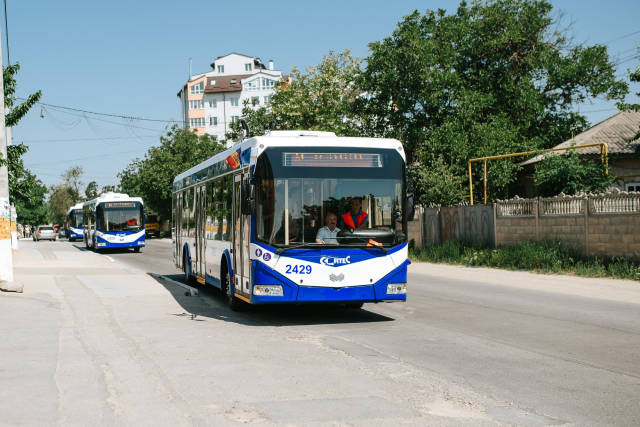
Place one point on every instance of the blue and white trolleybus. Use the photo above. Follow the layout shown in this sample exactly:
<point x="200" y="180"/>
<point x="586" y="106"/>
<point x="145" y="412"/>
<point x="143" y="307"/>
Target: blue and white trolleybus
<point x="74" y="221"/>
<point x="114" y="220"/>
<point x="247" y="220"/>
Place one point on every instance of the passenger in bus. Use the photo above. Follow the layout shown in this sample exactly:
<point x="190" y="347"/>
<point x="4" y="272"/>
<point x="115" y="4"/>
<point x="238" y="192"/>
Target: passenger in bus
<point x="328" y="233"/>
<point x="356" y="218"/>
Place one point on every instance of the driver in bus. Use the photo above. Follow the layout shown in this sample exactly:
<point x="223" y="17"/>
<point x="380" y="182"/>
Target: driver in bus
<point x="328" y="233"/>
<point x="356" y="218"/>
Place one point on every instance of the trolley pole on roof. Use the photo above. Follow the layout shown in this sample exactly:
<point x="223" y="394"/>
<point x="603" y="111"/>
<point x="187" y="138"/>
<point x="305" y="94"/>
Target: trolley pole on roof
<point x="6" y="258"/>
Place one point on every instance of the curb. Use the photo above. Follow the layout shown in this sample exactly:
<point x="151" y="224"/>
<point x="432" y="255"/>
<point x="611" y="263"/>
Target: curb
<point x="190" y="291"/>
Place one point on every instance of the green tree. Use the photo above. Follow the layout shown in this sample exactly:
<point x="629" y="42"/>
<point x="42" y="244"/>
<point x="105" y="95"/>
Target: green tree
<point x="108" y="189"/>
<point x="152" y="177"/>
<point x="61" y="198"/>
<point x="91" y="192"/>
<point x="320" y="98"/>
<point x="492" y="78"/>
<point x="65" y="194"/>
<point x="10" y="86"/>
<point x="27" y="192"/>
<point x="570" y="173"/>
<point x="71" y="178"/>
<point x="634" y="76"/>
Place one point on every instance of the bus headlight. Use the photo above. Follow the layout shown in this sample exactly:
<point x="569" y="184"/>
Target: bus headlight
<point x="396" y="288"/>
<point x="268" y="290"/>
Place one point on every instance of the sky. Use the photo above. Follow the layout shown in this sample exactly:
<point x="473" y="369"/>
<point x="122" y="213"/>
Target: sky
<point x="131" y="58"/>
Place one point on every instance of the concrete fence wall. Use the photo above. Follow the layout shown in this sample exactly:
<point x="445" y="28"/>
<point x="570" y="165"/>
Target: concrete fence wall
<point x="604" y="225"/>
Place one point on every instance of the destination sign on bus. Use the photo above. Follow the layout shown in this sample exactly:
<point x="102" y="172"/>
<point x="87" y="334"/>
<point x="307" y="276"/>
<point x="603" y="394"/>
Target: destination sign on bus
<point x="351" y="160"/>
<point x="120" y="205"/>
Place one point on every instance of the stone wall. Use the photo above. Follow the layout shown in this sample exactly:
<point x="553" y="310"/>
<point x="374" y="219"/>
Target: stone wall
<point x="604" y="225"/>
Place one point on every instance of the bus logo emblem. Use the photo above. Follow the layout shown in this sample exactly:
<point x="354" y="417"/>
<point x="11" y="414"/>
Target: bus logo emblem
<point x="338" y="278"/>
<point x="333" y="261"/>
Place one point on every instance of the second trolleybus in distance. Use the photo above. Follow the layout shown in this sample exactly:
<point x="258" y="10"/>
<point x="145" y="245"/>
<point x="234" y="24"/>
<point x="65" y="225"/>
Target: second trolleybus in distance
<point x="114" y="220"/>
<point x="246" y="220"/>
<point x="74" y="221"/>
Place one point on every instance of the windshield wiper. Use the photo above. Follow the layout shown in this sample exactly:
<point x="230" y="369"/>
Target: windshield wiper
<point x="369" y="245"/>
<point x="298" y="246"/>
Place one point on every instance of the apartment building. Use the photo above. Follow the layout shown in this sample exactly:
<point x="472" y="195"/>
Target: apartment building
<point x="211" y="101"/>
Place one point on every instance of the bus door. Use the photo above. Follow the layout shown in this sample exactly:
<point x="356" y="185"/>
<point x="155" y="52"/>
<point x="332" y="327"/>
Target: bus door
<point x="200" y="230"/>
<point x="241" y="235"/>
<point x="177" y="231"/>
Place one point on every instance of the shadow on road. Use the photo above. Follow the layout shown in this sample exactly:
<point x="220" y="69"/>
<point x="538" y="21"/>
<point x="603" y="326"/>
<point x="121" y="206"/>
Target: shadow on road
<point x="213" y="304"/>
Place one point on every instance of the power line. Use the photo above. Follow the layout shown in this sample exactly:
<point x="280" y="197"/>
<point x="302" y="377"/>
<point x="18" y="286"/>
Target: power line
<point x="105" y="114"/>
<point x="32" y="141"/>
<point x="86" y="158"/>
<point x="619" y="38"/>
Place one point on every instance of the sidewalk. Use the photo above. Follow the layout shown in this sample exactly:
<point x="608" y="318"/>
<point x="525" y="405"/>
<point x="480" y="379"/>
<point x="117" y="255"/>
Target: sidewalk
<point x="608" y="289"/>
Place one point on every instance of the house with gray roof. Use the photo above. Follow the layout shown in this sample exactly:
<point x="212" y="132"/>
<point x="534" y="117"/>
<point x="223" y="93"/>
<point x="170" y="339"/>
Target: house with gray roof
<point x="618" y="132"/>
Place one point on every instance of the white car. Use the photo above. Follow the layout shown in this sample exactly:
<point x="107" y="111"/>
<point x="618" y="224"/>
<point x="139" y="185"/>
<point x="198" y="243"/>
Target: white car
<point x="45" y="232"/>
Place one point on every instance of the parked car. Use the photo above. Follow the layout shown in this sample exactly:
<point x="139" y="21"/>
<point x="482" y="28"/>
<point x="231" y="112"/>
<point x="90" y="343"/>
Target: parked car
<point x="45" y="232"/>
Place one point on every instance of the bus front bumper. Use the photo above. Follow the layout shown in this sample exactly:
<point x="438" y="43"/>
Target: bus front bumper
<point x="293" y="293"/>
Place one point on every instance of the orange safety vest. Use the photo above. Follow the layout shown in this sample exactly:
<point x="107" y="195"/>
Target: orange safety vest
<point x="348" y="219"/>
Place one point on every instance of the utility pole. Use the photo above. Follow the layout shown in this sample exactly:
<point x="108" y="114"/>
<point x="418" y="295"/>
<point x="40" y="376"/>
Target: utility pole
<point x="6" y="258"/>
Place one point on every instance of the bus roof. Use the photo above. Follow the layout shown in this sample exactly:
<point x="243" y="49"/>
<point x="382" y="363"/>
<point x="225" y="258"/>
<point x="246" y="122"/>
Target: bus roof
<point x="77" y="206"/>
<point x="280" y="138"/>
<point x="113" y="197"/>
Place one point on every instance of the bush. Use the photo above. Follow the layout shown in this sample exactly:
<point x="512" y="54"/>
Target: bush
<point x="539" y="256"/>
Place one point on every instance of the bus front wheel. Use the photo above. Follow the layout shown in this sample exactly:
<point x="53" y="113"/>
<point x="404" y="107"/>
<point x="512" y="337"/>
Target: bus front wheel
<point x="354" y="305"/>
<point x="188" y="279"/>
<point x="234" y="303"/>
<point x="136" y="250"/>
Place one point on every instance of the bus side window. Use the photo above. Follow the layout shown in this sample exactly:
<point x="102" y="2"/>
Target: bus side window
<point x="227" y="200"/>
<point x="185" y="214"/>
<point x="208" y="210"/>
<point x="217" y="195"/>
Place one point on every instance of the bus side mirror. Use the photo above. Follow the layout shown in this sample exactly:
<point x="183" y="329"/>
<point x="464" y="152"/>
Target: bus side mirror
<point x="247" y="199"/>
<point x="410" y="209"/>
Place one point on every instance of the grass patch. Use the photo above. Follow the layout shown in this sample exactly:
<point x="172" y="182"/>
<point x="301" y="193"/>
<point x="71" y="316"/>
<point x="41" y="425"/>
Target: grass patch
<point x="538" y="256"/>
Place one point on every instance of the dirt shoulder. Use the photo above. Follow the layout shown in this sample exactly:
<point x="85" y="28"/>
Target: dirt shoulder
<point x="609" y="289"/>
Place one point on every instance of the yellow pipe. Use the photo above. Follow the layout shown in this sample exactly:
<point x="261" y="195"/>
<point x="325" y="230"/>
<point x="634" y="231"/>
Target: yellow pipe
<point x="470" y="184"/>
<point x="604" y="153"/>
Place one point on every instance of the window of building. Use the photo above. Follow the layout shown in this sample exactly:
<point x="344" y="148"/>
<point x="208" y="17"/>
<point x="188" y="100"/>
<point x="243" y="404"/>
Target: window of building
<point x="197" y="122"/>
<point x="256" y="99"/>
<point x="252" y="85"/>
<point x="234" y="102"/>
<point x="235" y="118"/>
<point x="632" y="186"/>
<point x="268" y="83"/>
<point x="247" y="67"/>
<point x="212" y="83"/>
<point x="197" y="89"/>
<point x="221" y="68"/>
<point x="196" y="105"/>
<point x="266" y="99"/>
<point x="213" y="103"/>
<point x="234" y="81"/>
<point x="213" y="121"/>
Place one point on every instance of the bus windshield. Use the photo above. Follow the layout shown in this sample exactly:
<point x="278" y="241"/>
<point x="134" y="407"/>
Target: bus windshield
<point x="119" y="216"/>
<point x="75" y="218"/>
<point x="297" y="189"/>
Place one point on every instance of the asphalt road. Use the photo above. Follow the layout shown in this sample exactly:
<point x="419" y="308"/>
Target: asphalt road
<point x="526" y="357"/>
